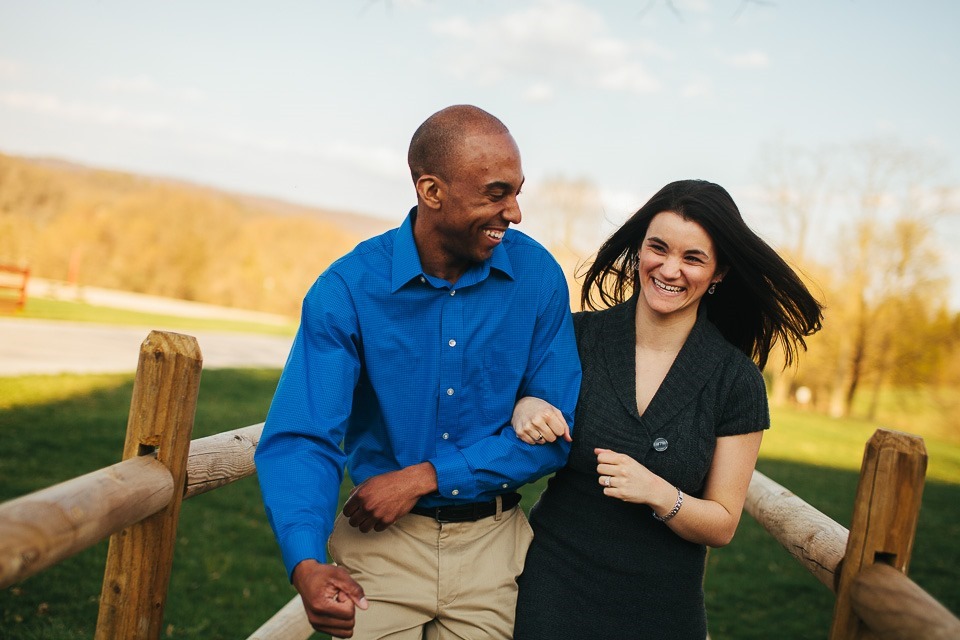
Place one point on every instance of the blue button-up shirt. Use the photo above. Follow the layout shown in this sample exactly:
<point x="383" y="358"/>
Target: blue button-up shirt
<point x="392" y="367"/>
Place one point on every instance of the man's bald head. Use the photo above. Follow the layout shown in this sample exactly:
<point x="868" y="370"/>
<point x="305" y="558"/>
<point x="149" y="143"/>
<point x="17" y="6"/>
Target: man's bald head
<point x="435" y="143"/>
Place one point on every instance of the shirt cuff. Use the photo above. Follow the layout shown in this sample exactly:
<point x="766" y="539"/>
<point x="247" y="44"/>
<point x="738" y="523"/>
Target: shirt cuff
<point x="455" y="480"/>
<point x="301" y="545"/>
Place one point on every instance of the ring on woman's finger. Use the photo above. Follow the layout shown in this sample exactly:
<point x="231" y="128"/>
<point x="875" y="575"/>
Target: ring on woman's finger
<point x="606" y="481"/>
<point x="539" y="436"/>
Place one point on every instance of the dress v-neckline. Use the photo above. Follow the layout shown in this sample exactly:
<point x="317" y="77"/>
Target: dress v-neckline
<point x="683" y="380"/>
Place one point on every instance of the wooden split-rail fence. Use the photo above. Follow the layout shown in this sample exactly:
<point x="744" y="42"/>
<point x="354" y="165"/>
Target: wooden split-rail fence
<point x="136" y="503"/>
<point x="13" y="287"/>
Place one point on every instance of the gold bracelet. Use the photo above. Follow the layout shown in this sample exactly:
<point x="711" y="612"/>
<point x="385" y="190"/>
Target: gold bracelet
<point x="674" y="511"/>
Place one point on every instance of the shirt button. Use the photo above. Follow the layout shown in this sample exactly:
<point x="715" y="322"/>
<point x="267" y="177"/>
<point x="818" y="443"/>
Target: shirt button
<point x="455" y="492"/>
<point x="504" y="485"/>
<point x="452" y="343"/>
<point x="660" y="444"/>
<point x="445" y="436"/>
<point x="422" y="279"/>
<point x="449" y="392"/>
<point x="453" y="292"/>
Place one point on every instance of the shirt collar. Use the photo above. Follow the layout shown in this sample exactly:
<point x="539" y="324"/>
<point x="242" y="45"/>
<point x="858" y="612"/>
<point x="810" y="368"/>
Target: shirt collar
<point x="406" y="260"/>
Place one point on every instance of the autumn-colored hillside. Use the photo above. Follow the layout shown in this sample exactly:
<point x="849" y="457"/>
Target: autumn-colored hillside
<point x="162" y="237"/>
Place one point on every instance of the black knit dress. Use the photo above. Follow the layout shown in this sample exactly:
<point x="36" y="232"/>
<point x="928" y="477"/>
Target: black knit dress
<point x="600" y="567"/>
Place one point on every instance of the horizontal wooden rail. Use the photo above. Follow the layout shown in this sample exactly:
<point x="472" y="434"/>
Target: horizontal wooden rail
<point x="221" y="459"/>
<point x="814" y="539"/>
<point x="42" y="528"/>
<point x="289" y="623"/>
<point x="892" y="604"/>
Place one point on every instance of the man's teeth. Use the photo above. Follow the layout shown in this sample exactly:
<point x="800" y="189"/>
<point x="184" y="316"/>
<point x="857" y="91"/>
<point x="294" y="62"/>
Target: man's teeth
<point x="496" y="235"/>
<point x="667" y="287"/>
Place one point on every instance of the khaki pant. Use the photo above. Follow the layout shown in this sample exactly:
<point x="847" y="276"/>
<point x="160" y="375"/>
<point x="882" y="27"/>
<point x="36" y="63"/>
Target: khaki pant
<point x="427" y="580"/>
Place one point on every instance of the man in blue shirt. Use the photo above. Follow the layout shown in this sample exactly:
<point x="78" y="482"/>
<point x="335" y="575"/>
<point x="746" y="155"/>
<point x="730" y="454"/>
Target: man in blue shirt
<point x="411" y="353"/>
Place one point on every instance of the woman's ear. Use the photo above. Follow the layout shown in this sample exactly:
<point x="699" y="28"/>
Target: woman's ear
<point x="430" y="190"/>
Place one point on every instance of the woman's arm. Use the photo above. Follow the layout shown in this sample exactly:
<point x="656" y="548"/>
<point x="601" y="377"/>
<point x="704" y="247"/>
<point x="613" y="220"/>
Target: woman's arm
<point x="711" y="520"/>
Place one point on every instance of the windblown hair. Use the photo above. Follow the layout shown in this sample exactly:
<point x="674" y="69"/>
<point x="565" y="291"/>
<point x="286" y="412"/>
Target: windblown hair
<point x="761" y="300"/>
<point x="435" y="143"/>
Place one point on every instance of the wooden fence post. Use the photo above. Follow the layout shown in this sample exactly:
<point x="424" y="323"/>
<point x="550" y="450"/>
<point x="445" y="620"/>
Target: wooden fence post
<point x="140" y="557"/>
<point x="884" y="522"/>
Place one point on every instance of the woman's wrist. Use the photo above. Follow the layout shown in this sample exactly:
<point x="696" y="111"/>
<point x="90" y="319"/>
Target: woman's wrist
<point x="673" y="509"/>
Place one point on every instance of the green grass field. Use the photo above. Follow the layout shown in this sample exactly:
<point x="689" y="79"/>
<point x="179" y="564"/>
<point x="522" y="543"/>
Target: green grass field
<point x="228" y="578"/>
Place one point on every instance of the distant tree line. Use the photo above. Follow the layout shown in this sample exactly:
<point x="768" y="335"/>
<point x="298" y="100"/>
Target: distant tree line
<point x="109" y="229"/>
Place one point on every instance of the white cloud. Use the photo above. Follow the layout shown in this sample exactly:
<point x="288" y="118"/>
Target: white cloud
<point x="9" y="68"/>
<point x="551" y="42"/>
<point x="694" y="6"/>
<point x="372" y="160"/>
<point x="697" y="89"/>
<point x="380" y="161"/>
<point x="538" y="92"/>
<point x="77" y="111"/>
<point x="749" y="60"/>
<point x="146" y="86"/>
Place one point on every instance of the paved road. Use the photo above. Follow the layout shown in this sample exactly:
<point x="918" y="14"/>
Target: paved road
<point x="43" y="346"/>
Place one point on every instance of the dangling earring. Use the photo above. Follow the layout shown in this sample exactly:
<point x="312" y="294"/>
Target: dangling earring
<point x="713" y="287"/>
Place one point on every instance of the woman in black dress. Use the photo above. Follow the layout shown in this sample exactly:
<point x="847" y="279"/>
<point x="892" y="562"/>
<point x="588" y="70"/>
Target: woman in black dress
<point x="687" y="303"/>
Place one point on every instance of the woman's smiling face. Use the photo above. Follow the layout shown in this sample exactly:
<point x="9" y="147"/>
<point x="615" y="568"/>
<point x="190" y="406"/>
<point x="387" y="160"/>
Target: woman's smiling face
<point x="677" y="263"/>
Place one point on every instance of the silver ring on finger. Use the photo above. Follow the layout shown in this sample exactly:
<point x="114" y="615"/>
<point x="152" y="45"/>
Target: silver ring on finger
<point x="606" y="481"/>
<point x="539" y="436"/>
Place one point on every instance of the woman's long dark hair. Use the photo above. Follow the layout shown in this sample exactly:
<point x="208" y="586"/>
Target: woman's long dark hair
<point x="761" y="300"/>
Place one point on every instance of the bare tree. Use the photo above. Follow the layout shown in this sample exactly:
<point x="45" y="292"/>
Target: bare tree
<point x="797" y="185"/>
<point x="879" y="201"/>
<point x="567" y="217"/>
<point x="887" y="254"/>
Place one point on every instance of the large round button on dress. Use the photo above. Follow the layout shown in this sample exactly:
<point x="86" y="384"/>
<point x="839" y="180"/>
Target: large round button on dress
<point x="660" y="444"/>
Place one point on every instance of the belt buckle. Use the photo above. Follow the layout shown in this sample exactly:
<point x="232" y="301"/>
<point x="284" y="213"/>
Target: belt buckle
<point x="438" y="517"/>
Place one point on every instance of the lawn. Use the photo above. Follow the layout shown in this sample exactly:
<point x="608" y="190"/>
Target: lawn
<point x="228" y="578"/>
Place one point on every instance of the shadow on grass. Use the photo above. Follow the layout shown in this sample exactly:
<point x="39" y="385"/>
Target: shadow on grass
<point x="228" y="578"/>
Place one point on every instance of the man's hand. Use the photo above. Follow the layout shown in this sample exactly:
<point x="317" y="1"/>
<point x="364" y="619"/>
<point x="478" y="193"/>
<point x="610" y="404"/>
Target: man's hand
<point x="382" y="500"/>
<point x="330" y="597"/>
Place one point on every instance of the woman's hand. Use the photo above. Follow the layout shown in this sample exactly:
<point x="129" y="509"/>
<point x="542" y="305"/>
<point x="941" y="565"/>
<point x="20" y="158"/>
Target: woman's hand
<point x="623" y="477"/>
<point x="709" y="519"/>
<point x="537" y="421"/>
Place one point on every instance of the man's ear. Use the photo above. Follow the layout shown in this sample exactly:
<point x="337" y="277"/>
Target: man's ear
<point x="430" y="190"/>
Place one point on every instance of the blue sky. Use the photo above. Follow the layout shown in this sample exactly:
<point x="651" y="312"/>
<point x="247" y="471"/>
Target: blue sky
<point x="314" y="102"/>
